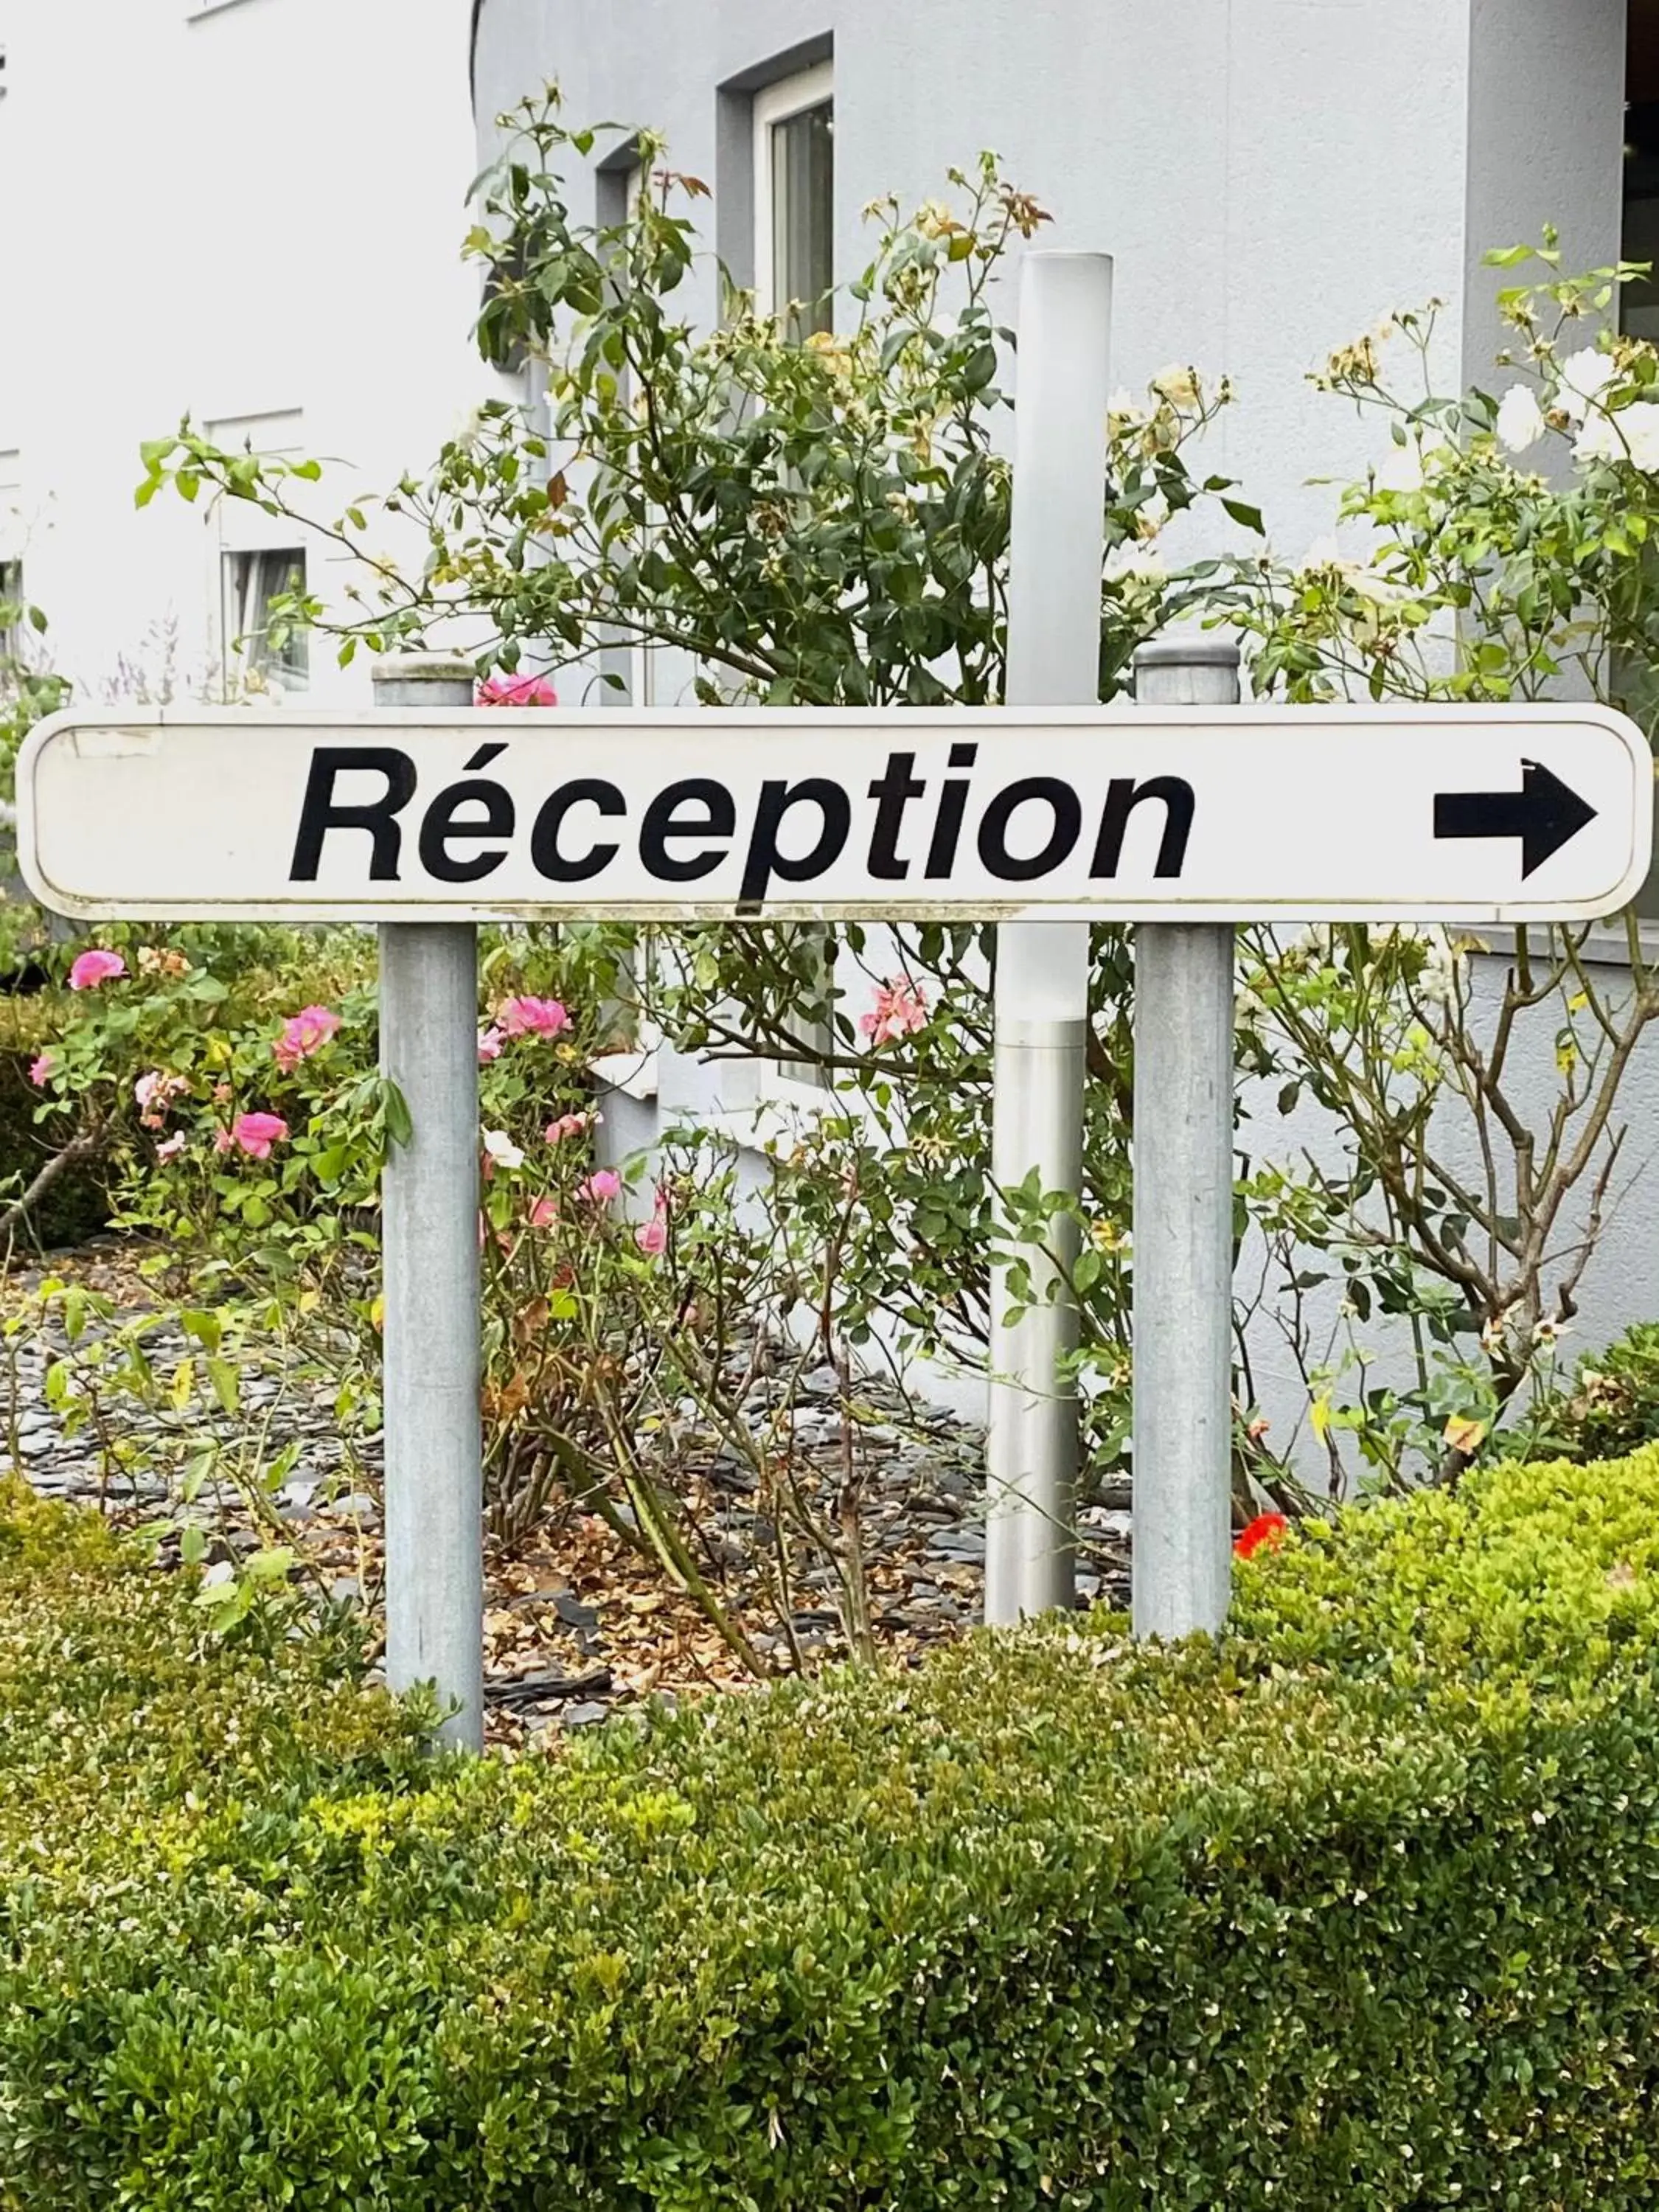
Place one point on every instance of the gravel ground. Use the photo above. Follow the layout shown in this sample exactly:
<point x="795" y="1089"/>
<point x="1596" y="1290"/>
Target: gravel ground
<point x="577" y="1623"/>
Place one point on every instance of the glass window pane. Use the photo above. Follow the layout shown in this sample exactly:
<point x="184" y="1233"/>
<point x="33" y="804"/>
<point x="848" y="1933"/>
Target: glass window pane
<point x="253" y="581"/>
<point x="803" y="218"/>
<point x="11" y="609"/>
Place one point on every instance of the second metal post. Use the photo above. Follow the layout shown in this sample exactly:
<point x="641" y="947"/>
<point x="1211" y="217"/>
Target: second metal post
<point x="1183" y="1221"/>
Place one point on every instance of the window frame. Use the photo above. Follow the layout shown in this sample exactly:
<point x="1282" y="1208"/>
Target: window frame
<point x="774" y="104"/>
<point x="244" y="653"/>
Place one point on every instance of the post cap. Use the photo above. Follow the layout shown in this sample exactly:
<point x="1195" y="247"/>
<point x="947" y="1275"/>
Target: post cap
<point x="1178" y="649"/>
<point x="422" y="668"/>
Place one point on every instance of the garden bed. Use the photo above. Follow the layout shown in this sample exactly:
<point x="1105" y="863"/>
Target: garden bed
<point x="577" y="1623"/>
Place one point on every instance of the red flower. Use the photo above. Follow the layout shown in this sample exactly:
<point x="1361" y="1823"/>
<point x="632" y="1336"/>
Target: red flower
<point x="1268" y="1530"/>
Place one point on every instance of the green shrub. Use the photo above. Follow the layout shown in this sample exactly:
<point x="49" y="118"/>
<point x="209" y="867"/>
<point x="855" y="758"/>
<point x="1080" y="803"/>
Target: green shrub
<point x="1359" y="1908"/>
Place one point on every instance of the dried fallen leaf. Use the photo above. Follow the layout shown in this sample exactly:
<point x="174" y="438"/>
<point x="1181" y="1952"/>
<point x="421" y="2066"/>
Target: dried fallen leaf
<point x="1464" y="1437"/>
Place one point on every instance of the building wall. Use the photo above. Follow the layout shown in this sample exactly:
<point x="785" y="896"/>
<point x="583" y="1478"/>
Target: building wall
<point x="1272" y="177"/>
<point x="250" y="211"/>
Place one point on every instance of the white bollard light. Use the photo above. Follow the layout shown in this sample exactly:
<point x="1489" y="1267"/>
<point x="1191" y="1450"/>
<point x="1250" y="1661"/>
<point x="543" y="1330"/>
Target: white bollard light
<point x="1041" y="998"/>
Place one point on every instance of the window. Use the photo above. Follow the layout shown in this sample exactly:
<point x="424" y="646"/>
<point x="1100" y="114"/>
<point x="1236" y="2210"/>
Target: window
<point x="11" y="609"/>
<point x="252" y="582"/>
<point x="795" y="199"/>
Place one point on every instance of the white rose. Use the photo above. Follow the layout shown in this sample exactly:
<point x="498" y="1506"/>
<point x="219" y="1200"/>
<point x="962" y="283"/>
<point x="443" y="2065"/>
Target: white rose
<point x="1600" y="439"/>
<point x="1132" y="562"/>
<point x="1323" y="553"/>
<point x="1585" y="376"/>
<point x="1520" y="420"/>
<point x="1640" y="425"/>
<point x="502" y="1149"/>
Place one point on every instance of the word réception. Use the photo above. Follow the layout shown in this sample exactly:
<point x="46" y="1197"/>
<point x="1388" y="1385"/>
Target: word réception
<point x="901" y="826"/>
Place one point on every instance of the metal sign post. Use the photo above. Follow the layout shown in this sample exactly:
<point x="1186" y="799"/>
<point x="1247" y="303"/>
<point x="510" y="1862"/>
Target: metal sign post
<point x="1042" y="991"/>
<point x="430" y="1258"/>
<point x="1182" y="1157"/>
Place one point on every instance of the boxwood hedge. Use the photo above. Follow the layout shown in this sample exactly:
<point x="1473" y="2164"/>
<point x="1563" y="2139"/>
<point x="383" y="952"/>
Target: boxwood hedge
<point x="1358" y="1908"/>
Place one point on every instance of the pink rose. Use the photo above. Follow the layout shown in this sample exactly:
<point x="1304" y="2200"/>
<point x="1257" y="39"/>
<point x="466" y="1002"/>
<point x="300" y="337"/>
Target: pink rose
<point x="601" y="1187"/>
<point x="173" y="1145"/>
<point x="900" y="1011"/>
<point x="490" y="1045"/>
<point x="652" y="1238"/>
<point x="40" y="1069"/>
<point x="517" y="691"/>
<point x="255" y="1133"/>
<point x="221" y="1140"/>
<point x="94" y="967"/>
<point x="303" y="1034"/>
<point x="544" y="1213"/>
<point x="532" y="1017"/>
<point x="568" y="1125"/>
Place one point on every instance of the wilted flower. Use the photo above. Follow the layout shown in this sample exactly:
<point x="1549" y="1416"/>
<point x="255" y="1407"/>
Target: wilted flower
<point x="94" y="967"/>
<point x="532" y="1017"/>
<point x="154" y="1092"/>
<point x="517" y="691"/>
<point x="544" y="1213"/>
<point x="172" y="1146"/>
<point x="490" y="1044"/>
<point x="303" y="1034"/>
<point x="255" y="1133"/>
<point x="900" y="1011"/>
<point x="40" y="1069"/>
<point x="1520" y="420"/>
<point x="935" y="220"/>
<point x="568" y="1125"/>
<point x="652" y="1238"/>
<point x="159" y="960"/>
<point x="1177" y="385"/>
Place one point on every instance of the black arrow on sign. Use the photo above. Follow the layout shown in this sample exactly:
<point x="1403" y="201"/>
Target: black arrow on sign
<point x="1543" y="814"/>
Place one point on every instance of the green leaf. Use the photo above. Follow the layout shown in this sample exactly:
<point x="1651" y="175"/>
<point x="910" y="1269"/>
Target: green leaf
<point x="399" y="1125"/>
<point x="226" y="1383"/>
<point x="1247" y="517"/>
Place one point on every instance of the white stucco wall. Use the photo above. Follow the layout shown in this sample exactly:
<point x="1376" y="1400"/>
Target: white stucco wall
<point x="1272" y="177"/>
<point x="242" y="211"/>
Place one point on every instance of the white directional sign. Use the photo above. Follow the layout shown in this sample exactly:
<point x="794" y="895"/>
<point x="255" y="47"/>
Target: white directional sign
<point x="1463" y="814"/>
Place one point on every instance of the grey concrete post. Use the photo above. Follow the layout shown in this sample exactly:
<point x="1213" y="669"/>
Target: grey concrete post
<point x="1041" y="1000"/>
<point x="429" y="1209"/>
<point x="1183" y="1221"/>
